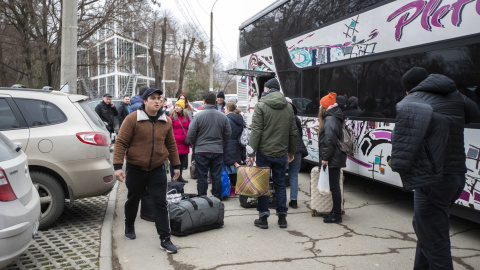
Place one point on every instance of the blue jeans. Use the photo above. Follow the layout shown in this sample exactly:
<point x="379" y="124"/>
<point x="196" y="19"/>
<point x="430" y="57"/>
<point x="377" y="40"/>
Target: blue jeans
<point x="278" y="168"/>
<point x="205" y="162"/>
<point x="293" y="170"/>
<point x="430" y="222"/>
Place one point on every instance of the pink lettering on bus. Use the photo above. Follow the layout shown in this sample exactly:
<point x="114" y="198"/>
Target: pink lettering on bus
<point x="431" y="14"/>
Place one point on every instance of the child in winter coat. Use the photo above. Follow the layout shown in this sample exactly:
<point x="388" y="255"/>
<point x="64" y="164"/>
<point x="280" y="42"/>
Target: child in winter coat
<point x="180" y="123"/>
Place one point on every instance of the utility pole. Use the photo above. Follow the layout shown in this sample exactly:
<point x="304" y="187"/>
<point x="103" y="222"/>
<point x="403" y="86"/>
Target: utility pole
<point x="68" y="65"/>
<point x="211" y="47"/>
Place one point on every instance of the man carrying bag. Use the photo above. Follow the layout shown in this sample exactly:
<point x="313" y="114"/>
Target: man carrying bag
<point x="273" y="139"/>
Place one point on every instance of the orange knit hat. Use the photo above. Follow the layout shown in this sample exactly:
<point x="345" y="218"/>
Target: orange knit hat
<point x="328" y="100"/>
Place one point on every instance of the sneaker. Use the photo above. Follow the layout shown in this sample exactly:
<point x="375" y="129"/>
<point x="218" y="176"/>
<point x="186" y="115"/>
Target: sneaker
<point x="130" y="232"/>
<point x="168" y="246"/>
<point x="293" y="204"/>
<point x="261" y="222"/>
<point x="282" y="221"/>
<point x="334" y="218"/>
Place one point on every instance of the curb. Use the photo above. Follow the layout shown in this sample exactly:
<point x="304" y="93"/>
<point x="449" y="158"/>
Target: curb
<point x="106" y="246"/>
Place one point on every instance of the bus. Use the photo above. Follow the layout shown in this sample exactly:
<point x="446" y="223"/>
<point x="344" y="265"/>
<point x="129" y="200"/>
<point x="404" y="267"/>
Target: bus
<point x="360" y="49"/>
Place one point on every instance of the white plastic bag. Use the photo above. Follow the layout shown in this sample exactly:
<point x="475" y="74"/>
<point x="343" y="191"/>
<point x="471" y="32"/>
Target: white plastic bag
<point x="323" y="182"/>
<point x="173" y="197"/>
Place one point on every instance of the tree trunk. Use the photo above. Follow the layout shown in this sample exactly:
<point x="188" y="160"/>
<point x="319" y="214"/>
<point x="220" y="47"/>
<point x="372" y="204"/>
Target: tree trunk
<point x="158" y="68"/>
<point x="183" y="64"/>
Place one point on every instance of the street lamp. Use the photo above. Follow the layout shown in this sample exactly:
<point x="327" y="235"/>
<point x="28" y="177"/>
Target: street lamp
<point x="211" y="47"/>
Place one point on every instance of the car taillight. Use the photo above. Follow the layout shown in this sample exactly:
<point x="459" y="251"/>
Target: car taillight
<point x="6" y="191"/>
<point x="93" y="138"/>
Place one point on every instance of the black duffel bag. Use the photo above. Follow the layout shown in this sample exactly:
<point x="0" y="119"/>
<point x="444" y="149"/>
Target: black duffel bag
<point x="147" y="208"/>
<point x="196" y="215"/>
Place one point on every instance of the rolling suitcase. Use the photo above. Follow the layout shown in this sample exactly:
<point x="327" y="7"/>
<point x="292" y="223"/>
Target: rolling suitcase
<point x="319" y="204"/>
<point x="196" y="214"/>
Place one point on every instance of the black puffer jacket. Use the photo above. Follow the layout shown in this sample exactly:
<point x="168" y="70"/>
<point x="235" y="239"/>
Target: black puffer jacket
<point x="233" y="150"/>
<point x="328" y="138"/>
<point x="428" y="139"/>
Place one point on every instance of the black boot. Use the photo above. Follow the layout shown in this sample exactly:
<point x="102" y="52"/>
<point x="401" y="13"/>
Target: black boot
<point x="130" y="232"/>
<point x="293" y="204"/>
<point x="282" y="221"/>
<point x="334" y="218"/>
<point x="262" y="222"/>
<point x="328" y="215"/>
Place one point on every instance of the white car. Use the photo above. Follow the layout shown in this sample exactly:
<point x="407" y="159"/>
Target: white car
<point x="19" y="203"/>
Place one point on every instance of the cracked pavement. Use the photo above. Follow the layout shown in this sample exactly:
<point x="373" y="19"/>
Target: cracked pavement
<point x="376" y="233"/>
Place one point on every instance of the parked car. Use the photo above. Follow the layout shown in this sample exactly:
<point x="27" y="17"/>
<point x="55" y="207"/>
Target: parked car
<point x="66" y="143"/>
<point x="197" y="105"/>
<point x="116" y="101"/>
<point x="19" y="203"/>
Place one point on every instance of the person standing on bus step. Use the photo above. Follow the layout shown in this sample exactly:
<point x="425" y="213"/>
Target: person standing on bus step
<point x="145" y="140"/>
<point x="330" y="122"/>
<point x="428" y="152"/>
<point x="107" y="112"/>
<point x="180" y="124"/>
<point x="220" y="104"/>
<point x="233" y="151"/>
<point x="274" y="139"/>
<point x="208" y="133"/>
<point x="137" y="100"/>
<point x="124" y="110"/>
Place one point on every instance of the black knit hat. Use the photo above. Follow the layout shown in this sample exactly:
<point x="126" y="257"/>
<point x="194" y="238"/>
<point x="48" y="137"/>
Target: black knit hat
<point x="272" y="83"/>
<point x="413" y="77"/>
<point x="221" y="95"/>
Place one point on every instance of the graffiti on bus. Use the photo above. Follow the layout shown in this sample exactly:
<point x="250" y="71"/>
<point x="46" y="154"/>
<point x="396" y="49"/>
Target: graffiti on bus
<point x="350" y="45"/>
<point x="372" y="148"/>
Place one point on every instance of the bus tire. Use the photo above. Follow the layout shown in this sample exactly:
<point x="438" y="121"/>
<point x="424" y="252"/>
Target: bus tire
<point x="52" y="198"/>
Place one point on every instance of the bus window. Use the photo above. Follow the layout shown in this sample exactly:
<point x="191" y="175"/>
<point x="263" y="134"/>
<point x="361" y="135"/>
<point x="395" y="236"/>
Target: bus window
<point x="342" y="81"/>
<point x="310" y="101"/>
<point x="290" y="83"/>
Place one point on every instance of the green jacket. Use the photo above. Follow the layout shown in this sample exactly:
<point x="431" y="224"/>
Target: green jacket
<point x="274" y="131"/>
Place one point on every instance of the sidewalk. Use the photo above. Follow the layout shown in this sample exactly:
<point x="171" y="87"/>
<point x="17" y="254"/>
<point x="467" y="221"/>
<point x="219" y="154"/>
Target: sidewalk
<point x="386" y="238"/>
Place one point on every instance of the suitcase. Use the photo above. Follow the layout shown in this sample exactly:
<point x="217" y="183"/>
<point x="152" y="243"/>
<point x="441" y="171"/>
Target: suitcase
<point x="196" y="215"/>
<point x="319" y="204"/>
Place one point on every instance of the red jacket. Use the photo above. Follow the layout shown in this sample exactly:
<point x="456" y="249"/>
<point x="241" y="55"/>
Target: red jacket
<point x="180" y="135"/>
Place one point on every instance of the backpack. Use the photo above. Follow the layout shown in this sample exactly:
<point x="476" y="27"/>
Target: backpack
<point x="245" y="137"/>
<point x="346" y="143"/>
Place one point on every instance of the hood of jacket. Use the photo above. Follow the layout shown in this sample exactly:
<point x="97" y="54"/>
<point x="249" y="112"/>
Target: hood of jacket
<point x="436" y="83"/>
<point x="143" y="116"/>
<point x="335" y="112"/>
<point x="274" y="100"/>
<point x="236" y="118"/>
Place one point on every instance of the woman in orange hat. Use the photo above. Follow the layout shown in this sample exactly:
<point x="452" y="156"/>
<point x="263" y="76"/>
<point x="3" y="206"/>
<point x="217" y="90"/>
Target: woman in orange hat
<point x="330" y="122"/>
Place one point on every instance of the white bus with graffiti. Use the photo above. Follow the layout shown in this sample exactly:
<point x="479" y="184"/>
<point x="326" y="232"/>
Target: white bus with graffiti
<point x="360" y="49"/>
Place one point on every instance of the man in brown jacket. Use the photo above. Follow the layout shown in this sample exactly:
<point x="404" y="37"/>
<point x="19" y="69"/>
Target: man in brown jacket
<point x="145" y="140"/>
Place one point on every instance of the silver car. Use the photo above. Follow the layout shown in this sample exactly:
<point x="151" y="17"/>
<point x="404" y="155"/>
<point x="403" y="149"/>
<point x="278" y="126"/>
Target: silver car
<point x="67" y="145"/>
<point x="19" y="203"/>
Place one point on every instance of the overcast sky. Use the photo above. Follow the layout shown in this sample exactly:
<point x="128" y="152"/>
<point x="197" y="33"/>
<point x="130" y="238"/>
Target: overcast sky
<point x="228" y="15"/>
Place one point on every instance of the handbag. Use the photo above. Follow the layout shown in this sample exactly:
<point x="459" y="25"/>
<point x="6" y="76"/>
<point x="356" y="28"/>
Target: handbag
<point x="323" y="181"/>
<point x="253" y="181"/>
<point x="225" y="182"/>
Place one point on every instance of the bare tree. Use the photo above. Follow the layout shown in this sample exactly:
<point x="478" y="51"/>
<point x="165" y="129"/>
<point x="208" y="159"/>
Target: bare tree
<point x="183" y="64"/>
<point x="158" y="67"/>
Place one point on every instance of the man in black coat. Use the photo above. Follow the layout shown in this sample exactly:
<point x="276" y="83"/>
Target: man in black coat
<point x="107" y="112"/>
<point x="428" y="152"/>
<point x="124" y="110"/>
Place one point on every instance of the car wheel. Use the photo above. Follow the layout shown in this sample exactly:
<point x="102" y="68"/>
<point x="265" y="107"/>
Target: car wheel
<point x="52" y="198"/>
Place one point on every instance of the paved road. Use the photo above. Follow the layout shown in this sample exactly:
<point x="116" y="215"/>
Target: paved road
<point x="376" y="233"/>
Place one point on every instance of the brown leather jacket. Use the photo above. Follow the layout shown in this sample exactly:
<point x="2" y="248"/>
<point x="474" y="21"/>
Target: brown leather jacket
<point x="145" y="144"/>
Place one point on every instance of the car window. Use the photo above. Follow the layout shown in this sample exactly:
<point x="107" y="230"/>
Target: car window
<point x="91" y="114"/>
<point x="40" y="112"/>
<point x="8" y="120"/>
<point x="7" y="149"/>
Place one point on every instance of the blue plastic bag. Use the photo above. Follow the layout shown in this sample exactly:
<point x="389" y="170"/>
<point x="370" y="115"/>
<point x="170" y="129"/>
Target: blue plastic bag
<point x="225" y="182"/>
